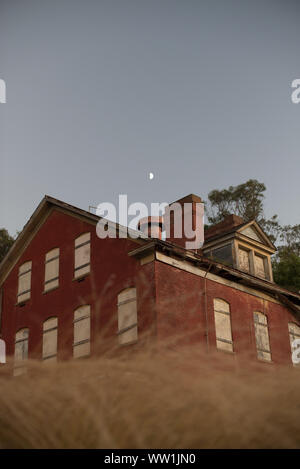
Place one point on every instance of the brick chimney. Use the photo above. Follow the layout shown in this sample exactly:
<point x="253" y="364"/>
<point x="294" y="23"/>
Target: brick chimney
<point x="184" y="222"/>
<point x="151" y="226"/>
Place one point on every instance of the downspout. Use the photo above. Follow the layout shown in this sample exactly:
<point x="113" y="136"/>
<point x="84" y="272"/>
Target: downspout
<point x="205" y="308"/>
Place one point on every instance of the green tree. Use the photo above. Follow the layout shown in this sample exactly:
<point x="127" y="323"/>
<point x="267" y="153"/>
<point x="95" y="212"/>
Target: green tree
<point x="290" y="239"/>
<point x="6" y="241"/>
<point x="286" y="262"/>
<point x="245" y="200"/>
<point x="286" y="270"/>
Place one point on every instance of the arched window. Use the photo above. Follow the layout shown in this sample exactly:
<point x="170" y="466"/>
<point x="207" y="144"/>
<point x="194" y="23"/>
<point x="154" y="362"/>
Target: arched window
<point x="262" y="336"/>
<point x="82" y="331"/>
<point x="50" y="339"/>
<point x="51" y="269"/>
<point x="82" y="255"/>
<point x="223" y="325"/>
<point x="294" y="333"/>
<point x="21" y="351"/>
<point x="24" y="284"/>
<point x="2" y="351"/>
<point x="127" y="316"/>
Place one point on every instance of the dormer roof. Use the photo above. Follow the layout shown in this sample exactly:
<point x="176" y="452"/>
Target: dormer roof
<point x="234" y="226"/>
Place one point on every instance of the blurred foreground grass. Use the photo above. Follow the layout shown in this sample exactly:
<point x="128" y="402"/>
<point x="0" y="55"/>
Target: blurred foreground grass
<point x="153" y="398"/>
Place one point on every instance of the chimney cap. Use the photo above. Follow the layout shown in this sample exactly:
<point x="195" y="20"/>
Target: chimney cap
<point x="188" y="198"/>
<point x="151" y="219"/>
<point x="151" y="226"/>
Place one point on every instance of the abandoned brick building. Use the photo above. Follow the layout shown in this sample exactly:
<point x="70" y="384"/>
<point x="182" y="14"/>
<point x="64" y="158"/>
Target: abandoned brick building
<point x="64" y="290"/>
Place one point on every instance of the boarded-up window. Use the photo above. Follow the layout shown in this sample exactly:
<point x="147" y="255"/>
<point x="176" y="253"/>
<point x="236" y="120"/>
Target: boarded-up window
<point x="50" y="339"/>
<point x="223" y="325"/>
<point x="24" y="285"/>
<point x="259" y="263"/>
<point x="82" y="331"/>
<point x="2" y="351"/>
<point x="21" y="351"/>
<point x="82" y="255"/>
<point x="127" y="316"/>
<point x="52" y="269"/>
<point x="262" y="336"/>
<point x="294" y="332"/>
<point x="244" y="261"/>
<point x="223" y="254"/>
<point x="1" y="301"/>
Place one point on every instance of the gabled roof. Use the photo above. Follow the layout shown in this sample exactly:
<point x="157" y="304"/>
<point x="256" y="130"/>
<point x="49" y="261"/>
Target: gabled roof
<point x="49" y="203"/>
<point x="31" y="227"/>
<point x="224" y="226"/>
<point x="38" y="217"/>
<point x="234" y="224"/>
<point x="253" y="230"/>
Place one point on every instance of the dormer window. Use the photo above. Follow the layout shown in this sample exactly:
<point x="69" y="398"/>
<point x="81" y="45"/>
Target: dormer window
<point x="252" y="262"/>
<point x="260" y="264"/>
<point x="244" y="259"/>
<point x="244" y="246"/>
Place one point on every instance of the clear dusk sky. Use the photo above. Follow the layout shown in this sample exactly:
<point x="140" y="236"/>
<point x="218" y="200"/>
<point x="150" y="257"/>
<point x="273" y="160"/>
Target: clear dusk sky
<point x="100" y="93"/>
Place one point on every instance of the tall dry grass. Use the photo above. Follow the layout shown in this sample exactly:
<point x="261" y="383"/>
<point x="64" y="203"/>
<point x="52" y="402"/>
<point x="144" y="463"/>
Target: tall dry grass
<point x="150" y="398"/>
<point x="147" y="396"/>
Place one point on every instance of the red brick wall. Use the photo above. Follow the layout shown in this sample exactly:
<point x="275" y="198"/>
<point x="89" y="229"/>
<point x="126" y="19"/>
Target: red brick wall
<point x="181" y="309"/>
<point x="170" y="301"/>
<point x="111" y="271"/>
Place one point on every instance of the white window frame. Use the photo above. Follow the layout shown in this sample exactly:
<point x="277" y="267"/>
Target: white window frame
<point x="82" y="313"/>
<point x="22" y="336"/>
<point x="24" y="270"/>
<point x="50" y="326"/>
<point x="248" y="252"/>
<point x="293" y="336"/>
<point x="2" y="351"/>
<point x="52" y="258"/>
<point x="127" y="334"/>
<point x="261" y="321"/>
<point x="82" y="242"/>
<point x="222" y="307"/>
<point x="264" y="263"/>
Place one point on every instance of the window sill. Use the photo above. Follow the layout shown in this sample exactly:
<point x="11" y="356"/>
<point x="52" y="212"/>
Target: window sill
<point x="262" y="278"/>
<point x="81" y="278"/>
<point x="22" y="303"/>
<point x="50" y="290"/>
<point x="133" y="342"/>
<point x="83" y="357"/>
<point x="229" y="352"/>
<point x="261" y="360"/>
